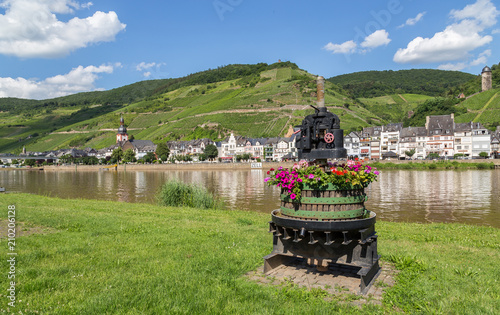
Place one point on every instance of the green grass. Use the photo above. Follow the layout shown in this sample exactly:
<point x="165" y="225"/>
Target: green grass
<point x="122" y="258"/>
<point x="416" y="98"/>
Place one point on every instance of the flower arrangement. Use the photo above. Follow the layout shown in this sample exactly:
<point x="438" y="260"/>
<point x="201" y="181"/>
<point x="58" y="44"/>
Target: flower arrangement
<point x="344" y="176"/>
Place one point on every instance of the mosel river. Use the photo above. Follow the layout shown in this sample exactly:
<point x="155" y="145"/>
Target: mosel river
<point x="466" y="196"/>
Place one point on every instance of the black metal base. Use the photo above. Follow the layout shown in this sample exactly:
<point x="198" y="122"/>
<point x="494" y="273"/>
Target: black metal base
<point x="352" y="243"/>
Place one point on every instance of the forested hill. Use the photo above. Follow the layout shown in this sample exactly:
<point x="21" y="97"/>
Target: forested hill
<point x="416" y="81"/>
<point x="141" y="90"/>
<point x="260" y="100"/>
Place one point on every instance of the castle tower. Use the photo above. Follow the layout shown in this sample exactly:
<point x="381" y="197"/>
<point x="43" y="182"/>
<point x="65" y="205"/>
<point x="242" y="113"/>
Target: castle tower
<point x="122" y="135"/>
<point x="486" y="82"/>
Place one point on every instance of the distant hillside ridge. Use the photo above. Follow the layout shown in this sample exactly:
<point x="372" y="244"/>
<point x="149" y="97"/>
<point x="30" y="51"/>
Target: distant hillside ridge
<point x="415" y="81"/>
<point x="258" y="100"/>
<point x="255" y="101"/>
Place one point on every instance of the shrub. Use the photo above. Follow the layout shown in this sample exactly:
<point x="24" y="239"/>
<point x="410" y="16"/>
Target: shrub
<point x="178" y="194"/>
<point x="485" y="166"/>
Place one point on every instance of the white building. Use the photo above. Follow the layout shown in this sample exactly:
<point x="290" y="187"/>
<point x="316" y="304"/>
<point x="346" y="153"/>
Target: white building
<point x="352" y="145"/>
<point x="481" y="140"/>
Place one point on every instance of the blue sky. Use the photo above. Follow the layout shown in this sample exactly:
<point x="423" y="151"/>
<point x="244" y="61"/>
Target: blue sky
<point x="50" y="48"/>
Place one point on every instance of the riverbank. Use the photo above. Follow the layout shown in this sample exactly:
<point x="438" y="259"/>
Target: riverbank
<point x="384" y="164"/>
<point x="97" y="257"/>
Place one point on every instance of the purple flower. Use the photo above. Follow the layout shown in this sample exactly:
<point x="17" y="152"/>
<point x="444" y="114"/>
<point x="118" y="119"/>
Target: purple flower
<point x="367" y="171"/>
<point x="267" y="179"/>
<point x="376" y="172"/>
<point x="311" y="176"/>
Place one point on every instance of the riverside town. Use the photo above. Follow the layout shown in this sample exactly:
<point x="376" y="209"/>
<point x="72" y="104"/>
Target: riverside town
<point x="250" y="157"/>
<point x="440" y="138"/>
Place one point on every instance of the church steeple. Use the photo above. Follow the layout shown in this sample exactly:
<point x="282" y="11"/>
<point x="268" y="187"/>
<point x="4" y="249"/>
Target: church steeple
<point x="122" y="135"/>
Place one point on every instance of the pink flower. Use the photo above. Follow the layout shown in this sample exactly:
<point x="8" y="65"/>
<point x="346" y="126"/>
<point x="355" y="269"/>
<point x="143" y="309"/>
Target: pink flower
<point x="293" y="196"/>
<point x="267" y="179"/>
<point x="311" y="176"/>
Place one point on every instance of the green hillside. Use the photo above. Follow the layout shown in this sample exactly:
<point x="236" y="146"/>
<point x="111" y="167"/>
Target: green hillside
<point x="416" y="81"/>
<point x="253" y="100"/>
<point x="258" y="100"/>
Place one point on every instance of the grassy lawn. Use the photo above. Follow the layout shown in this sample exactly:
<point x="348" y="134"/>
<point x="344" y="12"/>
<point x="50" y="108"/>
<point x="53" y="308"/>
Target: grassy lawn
<point x="119" y="258"/>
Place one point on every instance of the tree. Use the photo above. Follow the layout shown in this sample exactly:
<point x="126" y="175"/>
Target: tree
<point x="484" y="155"/>
<point x="162" y="151"/>
<point x="410" y="153"/>
<point x="117" y="154"/>
<point x="29" y="162"/>
<point x="211" y="151"/>
<point x="149" y="157"/>
<point x="67" y="158"/>
<point x="433" y="155"/>
<point x="129" y="155"/>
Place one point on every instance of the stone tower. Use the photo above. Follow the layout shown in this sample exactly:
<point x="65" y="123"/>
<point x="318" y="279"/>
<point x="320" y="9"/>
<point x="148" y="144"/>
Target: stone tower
<point x="122" y="135"/>
<point x="486" y="79"/>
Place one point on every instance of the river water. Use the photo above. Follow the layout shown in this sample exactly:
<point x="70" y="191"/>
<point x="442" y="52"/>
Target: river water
<point x="466" y="196"/>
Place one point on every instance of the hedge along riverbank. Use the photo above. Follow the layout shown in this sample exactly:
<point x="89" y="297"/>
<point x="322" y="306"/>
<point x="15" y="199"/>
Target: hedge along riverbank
<point x="430" y="165"/>
<point x="121" y="258"/>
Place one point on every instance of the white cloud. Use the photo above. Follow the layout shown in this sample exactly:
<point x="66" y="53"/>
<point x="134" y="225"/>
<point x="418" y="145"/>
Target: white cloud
<point x="453" y="66"/>
<point x="457" y="40"/>
<point x="31" y="29"/>
<point x="348" y="47"/>
<point x="482" y="58"/>
<point x="79" y="79"/>
<point x="147" y="66"/>
<point x="144" y="66"/>
<point x="375" y="39"/>
<point x="482" y="11"/>
<point x="413" y="21"/>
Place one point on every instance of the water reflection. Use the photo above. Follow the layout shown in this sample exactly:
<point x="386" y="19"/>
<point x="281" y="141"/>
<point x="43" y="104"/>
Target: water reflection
<point x="468" y="196"/>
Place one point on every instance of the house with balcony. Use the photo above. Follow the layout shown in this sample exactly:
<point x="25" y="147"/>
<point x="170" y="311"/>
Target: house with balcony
<point x="413" y="138"/>
<point x="495" y="143"/>
<point x="364" y="145"/>
<point x="463" y="139"/>
<point x="481" y="140"/>
<point x="352" y="145"/>
<point x="269" y="146"/>
<point x="228" y="148"/>
<point x="389" y="138"/>
<point x="374" y="133"/>
<point x="281" y="149"/>
<point x="440" y="133"/>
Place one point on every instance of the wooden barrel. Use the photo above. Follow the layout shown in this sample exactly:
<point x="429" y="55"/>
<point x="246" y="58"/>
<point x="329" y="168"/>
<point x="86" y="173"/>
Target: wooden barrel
<point x="326" y="204"/>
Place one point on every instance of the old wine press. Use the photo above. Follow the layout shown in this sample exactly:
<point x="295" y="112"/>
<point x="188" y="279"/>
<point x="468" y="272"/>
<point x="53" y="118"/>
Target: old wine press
<point x="328" y="227"/>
